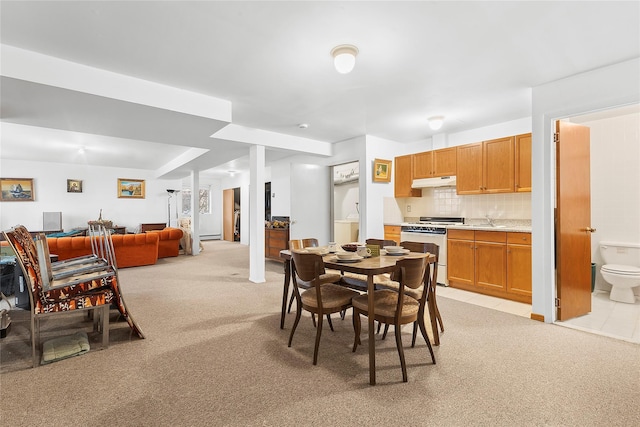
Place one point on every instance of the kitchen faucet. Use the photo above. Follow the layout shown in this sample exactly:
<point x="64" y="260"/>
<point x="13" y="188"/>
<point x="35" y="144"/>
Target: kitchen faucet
<point x="490" y="221"/>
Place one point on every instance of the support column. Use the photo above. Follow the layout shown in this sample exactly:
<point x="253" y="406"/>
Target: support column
<point x="256" y="214"/>
<point x="195" y="212"/>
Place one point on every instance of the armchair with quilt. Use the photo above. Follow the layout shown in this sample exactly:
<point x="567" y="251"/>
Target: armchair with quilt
<point x="66" y="295"/>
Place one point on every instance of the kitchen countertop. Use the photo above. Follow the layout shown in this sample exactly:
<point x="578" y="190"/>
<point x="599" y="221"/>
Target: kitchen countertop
<point x="497" y="227"/>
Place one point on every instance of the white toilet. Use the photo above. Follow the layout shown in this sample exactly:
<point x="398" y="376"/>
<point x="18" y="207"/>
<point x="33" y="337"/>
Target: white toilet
<point x="621" y="269"/>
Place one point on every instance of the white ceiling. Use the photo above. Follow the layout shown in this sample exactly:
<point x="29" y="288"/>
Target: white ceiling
<point x="473" y="62"/>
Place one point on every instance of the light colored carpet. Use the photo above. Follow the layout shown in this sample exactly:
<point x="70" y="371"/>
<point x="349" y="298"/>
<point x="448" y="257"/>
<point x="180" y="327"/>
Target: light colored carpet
<point x="215" y="356"/>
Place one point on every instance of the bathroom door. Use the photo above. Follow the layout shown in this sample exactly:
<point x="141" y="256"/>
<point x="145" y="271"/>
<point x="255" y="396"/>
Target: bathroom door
<point x="573" y="220"/>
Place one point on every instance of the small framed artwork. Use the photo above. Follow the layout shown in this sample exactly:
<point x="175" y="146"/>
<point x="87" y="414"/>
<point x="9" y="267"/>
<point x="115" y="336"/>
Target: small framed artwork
<point x="131" y="188"/>
<point x="381" y="170"/>
<point x="74" y="186"/>
<point x="16" y="190"/>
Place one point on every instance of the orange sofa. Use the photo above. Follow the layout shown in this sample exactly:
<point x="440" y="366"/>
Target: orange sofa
<point x="169" y="244"/>
<point x="131" y="249"/>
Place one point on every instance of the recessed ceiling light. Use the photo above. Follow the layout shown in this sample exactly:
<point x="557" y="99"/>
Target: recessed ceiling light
<point x="303" y="125"/>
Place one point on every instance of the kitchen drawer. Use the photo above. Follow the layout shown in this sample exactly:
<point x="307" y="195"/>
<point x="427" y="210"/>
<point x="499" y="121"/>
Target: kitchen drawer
<point x="460" y="234"/>
<point x="519" y="238"/>
<point x="491" y="236"/>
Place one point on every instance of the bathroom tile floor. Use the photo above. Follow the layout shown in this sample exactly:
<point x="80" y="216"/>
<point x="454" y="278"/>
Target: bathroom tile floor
<point x="614" y="319"/>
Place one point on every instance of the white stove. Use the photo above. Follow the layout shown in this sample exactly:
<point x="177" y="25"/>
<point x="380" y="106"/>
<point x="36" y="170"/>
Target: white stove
<point x="431" y="230"/>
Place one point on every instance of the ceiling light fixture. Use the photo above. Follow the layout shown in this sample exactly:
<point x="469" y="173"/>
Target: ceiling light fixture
<point x="435" y="122"/>
<point x="344" y="58"/>
<point x="303" y="125"/>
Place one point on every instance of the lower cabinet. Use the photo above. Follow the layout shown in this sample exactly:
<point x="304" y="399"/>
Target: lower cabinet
<point x="392" y="232"/>
<point x="490" y="262"/>
<point x="275" y="240"/>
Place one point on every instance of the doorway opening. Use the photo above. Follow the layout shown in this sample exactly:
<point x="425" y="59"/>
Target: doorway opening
<point x="231" y="214"/>
<point x="346" y="202"/>
<point x="615" y="208"/>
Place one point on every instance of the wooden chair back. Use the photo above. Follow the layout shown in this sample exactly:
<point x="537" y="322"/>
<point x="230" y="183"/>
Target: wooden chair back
<point x="303" y="243"/>
<point x="411" y="272"/>
<point x="306" y="266"/>
<point x="381" y="242"/>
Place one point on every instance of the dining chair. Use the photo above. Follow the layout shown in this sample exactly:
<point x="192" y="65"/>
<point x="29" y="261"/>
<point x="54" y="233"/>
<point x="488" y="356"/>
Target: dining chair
<point x="323" y="297"/>
<point x="381" y="242"/>
<point x="298" y="244"/>
<point x="396" y="307"/>
<point x="434" y="312"/>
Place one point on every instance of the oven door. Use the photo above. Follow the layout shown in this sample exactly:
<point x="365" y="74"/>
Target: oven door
<point x="438" y="239"/>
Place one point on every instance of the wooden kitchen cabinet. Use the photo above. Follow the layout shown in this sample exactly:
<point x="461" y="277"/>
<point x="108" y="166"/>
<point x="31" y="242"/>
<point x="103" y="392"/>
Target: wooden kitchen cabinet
<point x="403" y="178"/>
<point x="493" y="263"/>
<point x="275" y="240"/>
<point x="523" y="163"/>
<point x="519" y="264"/>
<point x="460" y="253"/>
<point x="432" y="164"/>
<point x="392" y="232"/>
<point x="491" y="260"/>
<point x="486" y="167"/>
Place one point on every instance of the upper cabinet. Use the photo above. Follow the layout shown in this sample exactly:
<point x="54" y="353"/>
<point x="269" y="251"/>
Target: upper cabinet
<point x="403" y="177"/>
<point x="486" y="167"/>
<point x="523" y="163"/>
<point x="431" y="164"/>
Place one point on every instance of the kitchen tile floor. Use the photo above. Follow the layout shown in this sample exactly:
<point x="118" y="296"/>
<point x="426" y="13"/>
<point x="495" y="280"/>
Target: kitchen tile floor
<point x="614" y="319"/>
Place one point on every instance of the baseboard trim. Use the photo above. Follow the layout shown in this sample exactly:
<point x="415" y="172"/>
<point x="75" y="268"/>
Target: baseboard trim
<point x="538" y="317"/>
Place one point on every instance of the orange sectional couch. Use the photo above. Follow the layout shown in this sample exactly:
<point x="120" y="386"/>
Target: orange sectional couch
<point x="169" y="244"/>
<point x="131" y="249"/>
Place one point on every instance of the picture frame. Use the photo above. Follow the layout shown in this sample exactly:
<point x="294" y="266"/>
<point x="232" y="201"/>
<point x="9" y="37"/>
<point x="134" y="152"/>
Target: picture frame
<point x="16" y="190"/>
<point x="130" y="188"/>
<point x="381" y="170"/>
<point x="74" y="186"/>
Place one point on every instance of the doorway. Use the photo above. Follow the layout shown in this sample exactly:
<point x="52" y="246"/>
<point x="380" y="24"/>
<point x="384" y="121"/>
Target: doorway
<point x="231" y="215"/>
<point x="346" y="202"/>
<point x="615" y="207"/>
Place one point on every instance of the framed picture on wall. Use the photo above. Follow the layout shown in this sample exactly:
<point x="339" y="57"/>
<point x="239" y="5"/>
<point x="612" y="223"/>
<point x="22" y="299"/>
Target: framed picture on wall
<point x="381" y="170"/>
<point x="16" y="190"/>
<point x="74" y="186"/>
<point x="130" y="188"/>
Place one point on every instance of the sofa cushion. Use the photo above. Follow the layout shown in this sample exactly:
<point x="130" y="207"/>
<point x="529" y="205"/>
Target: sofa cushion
<point x="169" y="244"/>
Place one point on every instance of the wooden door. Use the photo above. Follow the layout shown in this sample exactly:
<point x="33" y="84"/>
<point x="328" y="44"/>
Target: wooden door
<point x="523" y="163"/>
<point x="227" y="214"/>
<point x="498" y="165"/>
<point x="422" y="165"/>
<point x="444" y="162"/>
<point x="573" y="220"/>
<point x="469" y="173"/>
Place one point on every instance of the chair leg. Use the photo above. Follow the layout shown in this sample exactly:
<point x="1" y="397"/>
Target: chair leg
<point x="295" y="324"/>
<point x="318" y="334"/>
<point x="356" y="328"/>
<point x="423" y="329"/>
<point x="342" y="314"/>
<point x="414" y="334"/>
<point x="293" y="295"/>
<point x="403" y="364"/>
<point x="439" y="318"/>
<point x="379" y="327"/>
<point x="313" y="319"/>
<point x="105" y="326"/>
<point x="386" y="329"/>
<point x="34" y="355"/>
<point x="329" y="320"/>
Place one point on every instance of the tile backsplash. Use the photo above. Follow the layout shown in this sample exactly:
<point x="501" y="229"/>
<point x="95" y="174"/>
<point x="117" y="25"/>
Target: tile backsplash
<point x="444" y="201"/>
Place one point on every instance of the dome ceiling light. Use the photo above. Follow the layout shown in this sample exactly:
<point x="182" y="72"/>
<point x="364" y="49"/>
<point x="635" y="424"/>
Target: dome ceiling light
<point x="344" y="58"/>
<point x="436" y="122"/>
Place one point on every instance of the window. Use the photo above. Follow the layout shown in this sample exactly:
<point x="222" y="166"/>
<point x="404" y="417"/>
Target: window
<point x="204" y="201"/>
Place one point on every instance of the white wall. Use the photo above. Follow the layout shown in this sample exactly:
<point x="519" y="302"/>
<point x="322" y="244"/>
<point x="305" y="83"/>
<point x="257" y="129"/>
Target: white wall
<point x="599" y="89"/>
<point x="615" y="183"/>
<point x="99" y="191"/>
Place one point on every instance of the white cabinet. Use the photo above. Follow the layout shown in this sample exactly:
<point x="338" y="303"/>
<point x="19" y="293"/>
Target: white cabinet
<point x="345" y="231"/>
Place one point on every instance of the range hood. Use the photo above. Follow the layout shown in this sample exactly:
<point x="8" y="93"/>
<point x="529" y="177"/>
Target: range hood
<point x="444" y="181"/>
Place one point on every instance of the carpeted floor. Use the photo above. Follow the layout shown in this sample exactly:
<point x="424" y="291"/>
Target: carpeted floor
<point x="215" y="355"/>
